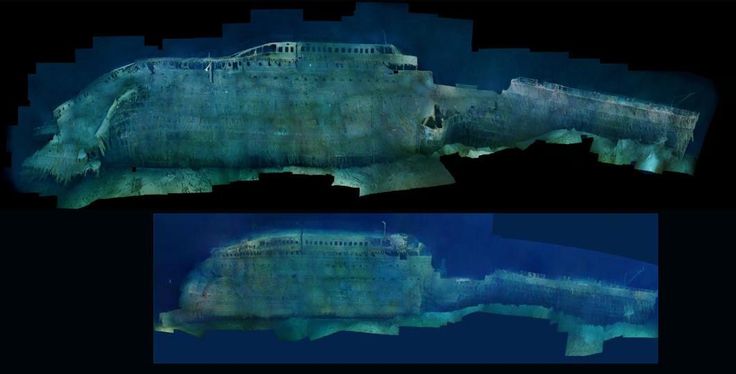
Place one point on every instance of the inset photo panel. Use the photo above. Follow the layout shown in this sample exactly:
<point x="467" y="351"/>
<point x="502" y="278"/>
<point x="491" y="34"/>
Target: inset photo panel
<point x="405" y="288"/>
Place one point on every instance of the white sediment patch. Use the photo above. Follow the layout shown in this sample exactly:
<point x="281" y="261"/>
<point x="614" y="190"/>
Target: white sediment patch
<point x="655" y="158"/>
<point x="115" y="183"/>
<point x="417" y="171"/>
<point x="583" y="339"/>
<point x="414" y="172"/>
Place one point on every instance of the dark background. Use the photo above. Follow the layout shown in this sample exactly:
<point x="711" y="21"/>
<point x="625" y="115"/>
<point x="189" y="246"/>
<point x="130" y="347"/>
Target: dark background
<point x="78" y="283"/>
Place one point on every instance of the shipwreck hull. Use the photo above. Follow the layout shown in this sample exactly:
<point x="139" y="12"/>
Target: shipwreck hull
<point x="530" y="108"/>
<point x="325" y="108"/>
<point x="312" y="284"/>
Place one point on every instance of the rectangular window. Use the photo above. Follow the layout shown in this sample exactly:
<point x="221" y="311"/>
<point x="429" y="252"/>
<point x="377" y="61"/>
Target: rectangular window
<point x="291" y="49"/>
<point x="281" y="49"/>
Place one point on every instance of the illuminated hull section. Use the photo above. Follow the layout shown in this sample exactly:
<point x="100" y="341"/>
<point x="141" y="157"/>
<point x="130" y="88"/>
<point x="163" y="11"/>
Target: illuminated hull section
<point x="325" y="108"/>
<point x="312" y="284"/>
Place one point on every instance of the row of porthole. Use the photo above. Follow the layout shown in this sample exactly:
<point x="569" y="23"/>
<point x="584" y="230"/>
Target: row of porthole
<point x="364" y="254"/>
<point x="350" y="266"/>
<point x="306" y="79"/>
<point x="257" y="253"/>
<point x="237" y="64"/>
<point x="313" y="242"/>
<point x="222" y="64"/>
<point x="278" y="242"/>
<point x="336" y="50"/>
<point x="337" y="243"/>
<point x="228" y="64"/>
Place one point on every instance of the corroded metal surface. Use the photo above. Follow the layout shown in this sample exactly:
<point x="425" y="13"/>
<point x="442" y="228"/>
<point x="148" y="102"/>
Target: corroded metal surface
<point x="308" y="284"/>
<point x="329" y="106"/>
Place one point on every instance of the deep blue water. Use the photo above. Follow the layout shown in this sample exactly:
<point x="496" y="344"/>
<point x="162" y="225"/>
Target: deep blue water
<point x="442" y="45"/>
<point x="472" y="245"/>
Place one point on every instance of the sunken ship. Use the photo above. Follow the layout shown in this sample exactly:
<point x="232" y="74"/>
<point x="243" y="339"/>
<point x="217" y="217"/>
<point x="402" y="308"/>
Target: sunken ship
<point x="321" y="108"/>
<point x="310" y="284"/>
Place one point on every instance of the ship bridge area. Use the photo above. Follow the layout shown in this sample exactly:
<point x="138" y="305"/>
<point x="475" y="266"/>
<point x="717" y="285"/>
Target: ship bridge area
<point x="342" y="55"/>
<point x="300" y="243"/>
<point x="300" y="55"/>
